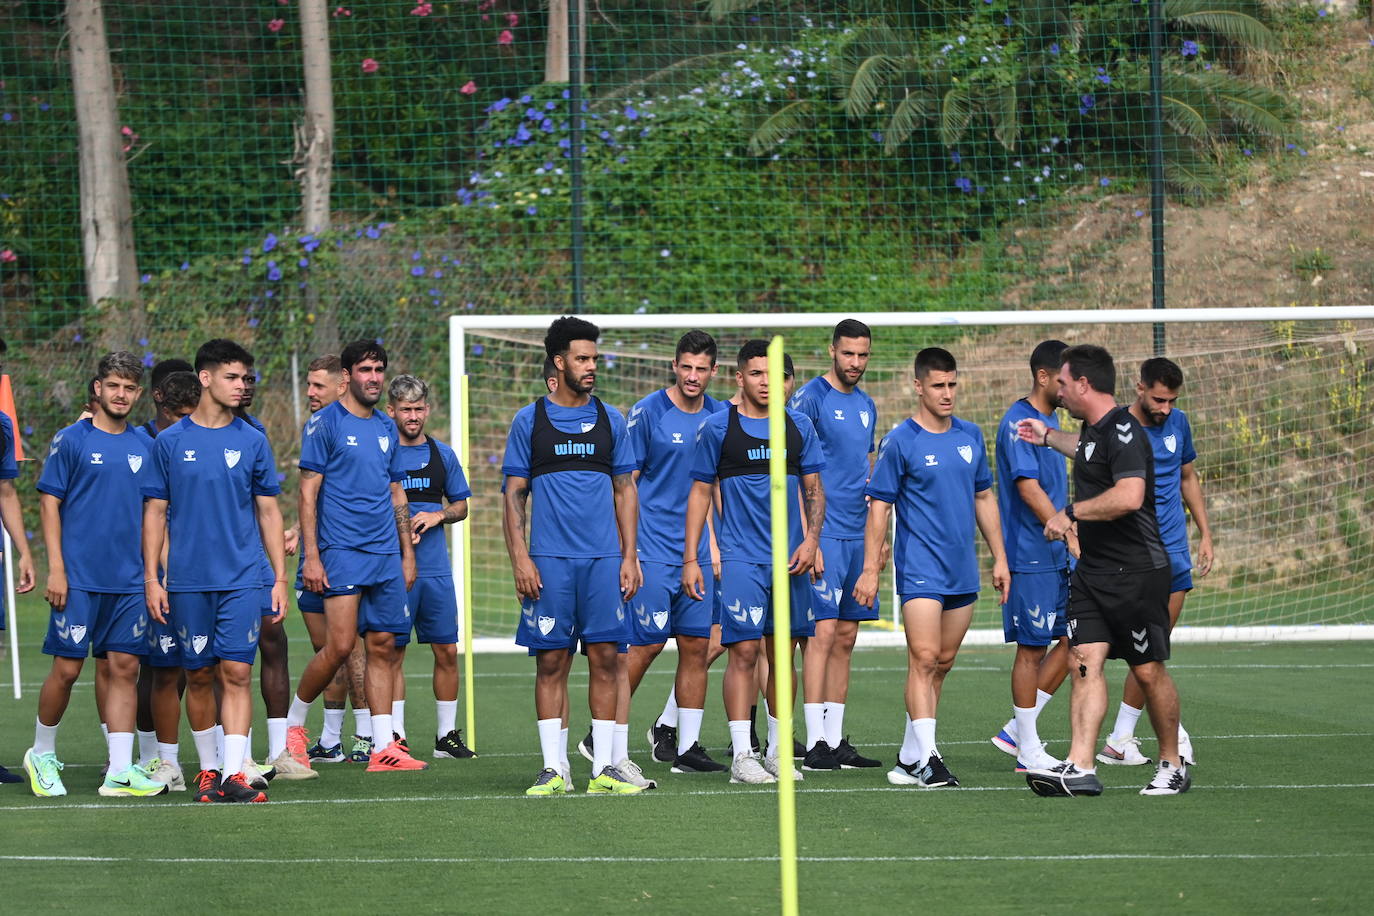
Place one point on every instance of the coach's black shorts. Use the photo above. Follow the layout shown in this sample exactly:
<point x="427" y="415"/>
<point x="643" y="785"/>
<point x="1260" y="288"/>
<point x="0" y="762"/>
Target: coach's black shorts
<point x="1127" y="610"/>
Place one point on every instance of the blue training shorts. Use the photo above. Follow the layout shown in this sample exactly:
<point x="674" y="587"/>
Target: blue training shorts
<point x="97" y="621"/>
<point x="947" y="602"/>
<point x="844" y="561"/>
<point x="377" y="579"/>
<point x="1181" y="564"/>
<point x="1037" y="608"/>
<point x="661" y="608"/>
<point x="217" y="626"/>
<point x="746" y="594"/>
<point x="580" y="599"/>
<point x="434" y="609"/>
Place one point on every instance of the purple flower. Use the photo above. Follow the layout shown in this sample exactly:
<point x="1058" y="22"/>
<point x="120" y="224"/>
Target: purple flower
<point x="28" y="430"/>
<point x="247" y="259"/>
<point x="1104" y="181"/>
<point x="963" y="184"/>
<point x="631" y="113"/>
<point x="550" y="106"/>
<point x="185" y="265"/>
<point x="273" y="275"/>
<point x="1054" y="49"/>
<point x="954" y="157"/>
<point x="303" y="262"/>
<point x="145" y="278"/>
<point x="148" y="360"/>
<point x="77" y="338"/>
<point x="143" y="342"/>
<point x="1189" y="49"/>
<point x="252" y="322"/>
<point x="478" y="349"/>
<point x="498" y="105"/>
<point x="372" y="232"/>
<point x="269" y="243"/>
<point x="532" y="210"/>
<point x="417" y="271"/>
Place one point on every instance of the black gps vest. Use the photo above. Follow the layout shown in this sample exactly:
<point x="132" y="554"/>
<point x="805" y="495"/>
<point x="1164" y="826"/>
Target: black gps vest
<point x="553" y="450"/>
<point x="427" y="484"/>
<point x="741" y="453"/>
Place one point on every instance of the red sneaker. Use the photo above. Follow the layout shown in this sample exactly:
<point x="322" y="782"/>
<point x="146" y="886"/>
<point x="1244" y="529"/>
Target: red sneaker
<point x="393" y="757"/>
<point x="297" y="742"/>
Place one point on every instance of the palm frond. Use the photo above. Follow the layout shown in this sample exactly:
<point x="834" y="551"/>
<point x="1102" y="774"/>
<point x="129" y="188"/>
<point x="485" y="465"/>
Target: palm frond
<point x="1007" y="127"/>
<point x="719" y="9"/>
<point x="780" y="125"/>
<point x="1235" y="20"/>
<point x="868" y="80"/>
<point x="956" y="111"/>
<point x="916" y="107"/>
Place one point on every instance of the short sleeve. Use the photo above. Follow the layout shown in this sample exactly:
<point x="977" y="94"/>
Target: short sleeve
<point x="159" y="460"/>
<point x="706" y="452"/>
<point x="982" y="474"/>
<point x="456" y="482"/>
<point x="888" y="469"/>
<point x="806" y="403"/>
<point x="1187" y="454"/>
<point x="265" y="471"/>
<point x="395" y="472"/>
<point x="1023" y="459"/>
<point x="1128" y="452"/>
<point x="623" y="460"/>
<point x="813" y="454"/>
<point x="517" y="460"/>
<point x="641" y="427"/>
<point x="9" y="467"/>
<point x="315" y="439"/>
<point x="872" y="424"/>
<point x="57" y="470"/>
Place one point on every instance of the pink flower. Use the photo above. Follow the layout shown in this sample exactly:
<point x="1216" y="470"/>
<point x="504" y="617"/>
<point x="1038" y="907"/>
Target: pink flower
<point x="512" y="19"/>
<point x="127" y="131"/>
<point x="8" y="257"/>
<point x="505" y="38"/>
<point x="486" y="18"/>
<point x="370" y="65"/>
<point x="276" y="25"/>
<point x="422" y="9"/>
<point x="468" y="88"/>
<point x="342" y="11"/>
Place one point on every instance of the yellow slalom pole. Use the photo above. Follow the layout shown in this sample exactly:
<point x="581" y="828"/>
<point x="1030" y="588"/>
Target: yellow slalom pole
<point x="465" y="446"/>
<point x="782" y="626"/>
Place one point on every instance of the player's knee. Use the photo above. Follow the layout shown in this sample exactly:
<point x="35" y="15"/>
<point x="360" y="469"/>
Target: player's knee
<point x="123" y="667"/>
<point x="199" y="679"/>
<point x="446" y="656"/>
<point x="64" y="673"/>
<point x="924" y="661"/>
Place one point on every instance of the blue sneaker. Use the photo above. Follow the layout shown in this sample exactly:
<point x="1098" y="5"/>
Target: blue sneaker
<point x="318" y="753"/>
<point x="362" y="750"/>
<point x="1005" y="740"/>
<point x="7" y="776"/>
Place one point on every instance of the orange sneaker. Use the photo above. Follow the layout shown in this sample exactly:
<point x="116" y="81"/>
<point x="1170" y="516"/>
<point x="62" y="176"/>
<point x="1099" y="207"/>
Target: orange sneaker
<point x="297" y="742"/>
<point x="393" y="757"/>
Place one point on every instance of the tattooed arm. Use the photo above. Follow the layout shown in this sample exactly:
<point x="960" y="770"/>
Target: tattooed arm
<point x="400" y="509"/>
<point x="514" y="509"/>
<point x="813" y="498"/>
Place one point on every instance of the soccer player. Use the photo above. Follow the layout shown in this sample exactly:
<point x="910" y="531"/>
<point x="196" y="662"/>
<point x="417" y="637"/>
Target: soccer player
<point x="324" y="384"/>
<point x="1177" y="485"/>
<point x="1032" y="485"/>
<point x="573" y="454"/>
<point x="212" y="485"/>
<point x="732" y="448"/>
<point x="91" y="512"/>
<point x="934" y="468"/>
<point x="13" y="520"/>
<point x="165" y="412"/>
<point x="433" y="476"/>
<point x="1119" y="589"/>
<point x="663" y="428"/>
<point x="356" y="536"/>
<point x="845" y="419"/>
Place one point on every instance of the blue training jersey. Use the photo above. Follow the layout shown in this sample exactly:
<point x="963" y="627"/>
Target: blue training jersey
<point x="574" y="510"/>
<point x="1023" y="533"/>
<point x="846" y="425"/>
<point x="97" y="476"/>
<point x="211" y="479"/>
<point x="9" y="467"/>
<point x="745" y="529"/>
<point x="265" y="567"/>
<point x="664" y="436"/>
<point x="431" y="554"/>
<point x="360" y="457"/>
<point x="1172" y="442"/>
<point x="931" y="478"/>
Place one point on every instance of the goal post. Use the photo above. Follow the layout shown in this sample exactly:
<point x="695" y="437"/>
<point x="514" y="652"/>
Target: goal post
<point x="1279" y="400"/>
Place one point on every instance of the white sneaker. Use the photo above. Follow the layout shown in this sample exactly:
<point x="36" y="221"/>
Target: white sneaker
<point x="1169" y="780"/>
<point x="1185" y="748"/>
<point x="634" y="775"/>
<point x="255" y="776"/>
<point x="566" y="773"/>
<point x="770" y="764"/>
<point x="748" y="768"/>
<point x="170" y="775"/>
<point x="288" y="767"/>
<point x="1122" y="752"/>
<point x="1034" y="758"/>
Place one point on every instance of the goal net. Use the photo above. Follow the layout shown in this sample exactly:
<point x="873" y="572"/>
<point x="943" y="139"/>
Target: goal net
<point x="1279" y="402"/>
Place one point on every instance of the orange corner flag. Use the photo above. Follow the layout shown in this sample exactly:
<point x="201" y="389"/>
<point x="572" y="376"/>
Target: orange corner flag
<point x="7" y="405"/>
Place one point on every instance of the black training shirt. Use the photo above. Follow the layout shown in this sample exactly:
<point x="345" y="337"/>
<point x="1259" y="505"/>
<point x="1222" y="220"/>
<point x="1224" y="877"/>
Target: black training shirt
<point x="1109" y="450"/>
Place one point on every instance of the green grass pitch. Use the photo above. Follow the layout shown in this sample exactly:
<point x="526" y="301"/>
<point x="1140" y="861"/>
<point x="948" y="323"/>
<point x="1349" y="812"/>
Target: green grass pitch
<point x="1278" y="819"/>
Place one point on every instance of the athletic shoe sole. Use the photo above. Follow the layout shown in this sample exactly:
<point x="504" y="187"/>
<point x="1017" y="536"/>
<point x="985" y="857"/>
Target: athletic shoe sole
<point x="1053" y="785"/>
<point x="1121" y="761"/>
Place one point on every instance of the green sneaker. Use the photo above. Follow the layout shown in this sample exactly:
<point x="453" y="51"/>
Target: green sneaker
<point x="362" y="750"/>
<point x="149" y="768"/>
<point x="612" y="782"/>
<point x="548" y="782"/>
<point x="44" y="774"/>
<point x="133" y="782"/>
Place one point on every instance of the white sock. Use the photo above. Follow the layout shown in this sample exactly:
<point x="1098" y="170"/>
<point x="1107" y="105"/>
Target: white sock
<point x="362" y="723"/>
<point x="104" y="731"/>
<point x="911" y="746"/>
<point x="1041" y="698"/>
<point x="553" y="743"/>
<point x="297" y="713"/>
<point x="670" y="711"/>
<point x="45" y="738"/>
<point x="219" y="746"/>
<point x="398" y="717"/>
<point x="235" y="747"/>
<point x="333" y="727"/>
<point x="276" y="738"/>
<point x="620" y="742"/>
<point x="563" y="743"/>
<point x="446" y="714"/>
<point x="603" y="739"/>
<point x="814" y="716"/>
<point x="206" y="749"/>
<point x="121" y="748"/>
<point x="925" y="736"/>
<point x="169" y="753"/>
<point x="739" y="737"/>
<point x="248" y="751"/>
<point x="1126" y="718"/>
<point x="381" y="730"/>
<point x="689" y="728"/>
<point x="147" y="747"/>
<point x="1027" y="735"/>
<point x="771" y="748"/>
<point x="834" y="724"/>
<point x="1010" y="727"/>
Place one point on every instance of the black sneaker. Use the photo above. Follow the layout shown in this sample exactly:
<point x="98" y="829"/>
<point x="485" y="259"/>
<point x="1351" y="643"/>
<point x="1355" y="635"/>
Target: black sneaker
<point x="850" y="759"/>
<point x="754" y="742"/>
<point x="663" y="741"/>
<point x="1063" y="780"/>
<point x="935" y="775"/>
<point x="820" y="757"/>
<point x="696" y="760"/>
<point x="584" y="747"/>
<point x="7" y="776"/>
<point x="207" y="786"/>
<point x="452" y="746"/>
<point x="798" y="750"/>
<point x="1169" y="780"/>
<point x="236" y="790"/>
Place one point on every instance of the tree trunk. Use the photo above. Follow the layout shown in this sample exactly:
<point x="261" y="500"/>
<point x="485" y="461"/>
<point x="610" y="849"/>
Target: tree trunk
<point x="315" y="152"/>
<point x="556" y="48"/>
<point x="107" y="228"/>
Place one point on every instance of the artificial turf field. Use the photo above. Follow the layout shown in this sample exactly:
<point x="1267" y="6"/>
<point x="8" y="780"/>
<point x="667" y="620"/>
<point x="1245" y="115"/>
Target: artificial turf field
<point x="1278" y="819"/>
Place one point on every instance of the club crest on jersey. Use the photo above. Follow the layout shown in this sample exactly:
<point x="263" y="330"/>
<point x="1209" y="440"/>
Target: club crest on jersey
<point x="864" y="418"/>
<point x="231" y="457"/>
<point x="966" y="453"/>
<point x="545" y="624"/>
<point x="78" y="634"/>
<point x="198" y="643"/>
<point x="97" y="458"/>
<point x="588" y="427"/>
<point x="1171" y="443"/>
<point x="1088" y="451"/>
<point x="660" y="619"/>
<point x="756" y="613"/>
<point x="135" y="462"/>
<point x="384" y="442"/>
